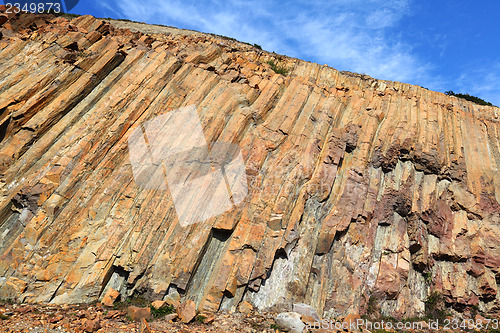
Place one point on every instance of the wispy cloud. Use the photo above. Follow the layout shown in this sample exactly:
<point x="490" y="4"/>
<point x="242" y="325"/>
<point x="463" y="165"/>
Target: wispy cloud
<point x="482" y="80"/>
<point x="354" y="35"/>
<point x="348" y="35"/>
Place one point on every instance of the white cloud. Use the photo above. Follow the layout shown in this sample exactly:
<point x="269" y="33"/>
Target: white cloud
<point x="354" y="35"/>
<point x="481" y="80"/>
<point x="345" y="34"/>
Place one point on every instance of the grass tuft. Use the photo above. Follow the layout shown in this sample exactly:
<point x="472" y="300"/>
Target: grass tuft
<point x="278" y="69"/>
<point x="435" y="307"/>
<point x="161" y="312"/>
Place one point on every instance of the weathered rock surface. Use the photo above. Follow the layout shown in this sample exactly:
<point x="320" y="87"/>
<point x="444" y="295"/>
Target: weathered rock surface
<point x="110" y="297"/>
<point x="137" y="314"/>
<point x="290" y="322"/>
<point x="358" y="188"/>
<point x="306" y="310"/>
<point x="187" y="311"/>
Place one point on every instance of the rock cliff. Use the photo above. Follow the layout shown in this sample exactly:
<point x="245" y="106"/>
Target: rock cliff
<point x="359" y="190"/>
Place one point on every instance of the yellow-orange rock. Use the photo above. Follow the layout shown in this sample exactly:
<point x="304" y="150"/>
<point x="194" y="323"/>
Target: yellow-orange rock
<point x="110" y="297"/>
<point x="187" y="311"/>
<point x="357" y="187"/>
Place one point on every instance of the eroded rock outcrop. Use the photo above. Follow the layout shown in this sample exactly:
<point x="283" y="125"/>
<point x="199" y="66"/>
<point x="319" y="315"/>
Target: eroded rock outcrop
<point x="358" y="188"/>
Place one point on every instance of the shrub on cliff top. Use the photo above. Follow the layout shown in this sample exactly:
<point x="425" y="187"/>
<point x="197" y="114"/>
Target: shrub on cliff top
<point x="468" y="97"/>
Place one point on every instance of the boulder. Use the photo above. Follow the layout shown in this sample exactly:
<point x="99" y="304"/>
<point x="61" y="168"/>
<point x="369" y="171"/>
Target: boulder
<point x="136" y="313"/>
<point x="173" y="298"/>
<point x="170" y="317"/>
<point x="92" y="325"/>
<point x="110" y="297"/>
<point x="306" y="310"/>
<point x="186" y="311"/>
<point x="158" y="304"/>
<point x="290" y="321"/>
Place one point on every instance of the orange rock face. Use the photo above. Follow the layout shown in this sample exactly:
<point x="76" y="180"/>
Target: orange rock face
<point x="357" y="188"/>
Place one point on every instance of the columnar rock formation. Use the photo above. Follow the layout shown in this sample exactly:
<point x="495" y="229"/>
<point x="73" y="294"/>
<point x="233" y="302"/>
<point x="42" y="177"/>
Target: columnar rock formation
<point x="358" y="188"/>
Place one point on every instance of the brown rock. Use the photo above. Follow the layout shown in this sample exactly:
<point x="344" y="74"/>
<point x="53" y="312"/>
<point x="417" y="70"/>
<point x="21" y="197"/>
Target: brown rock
<point x="388" y="281"/>
<point x="245" y="307"/>
<point x="7" y="26"/>
<point x="92" y="325"/>
<point x="148" y="40"/>
<point x="56" y="318"/>
<point x="479" y="317"/>
<point x="351" y="318"/>
<point x="173" y="300"/>
<point x="24" y="309"/>
<point x="186" y="311"/>
<point x="144" y="328"/>
<point x="110" y="297"/>
<point x="12" y="287"/>
<point x="136" y="313"/>
<point x="308" y="320"/>
<point x="113" y="314"/>
<point x="423" y="324"/>
<point x="158" y="304"/>
<point x="3" y="19"/>
<point x="170" y="317"/>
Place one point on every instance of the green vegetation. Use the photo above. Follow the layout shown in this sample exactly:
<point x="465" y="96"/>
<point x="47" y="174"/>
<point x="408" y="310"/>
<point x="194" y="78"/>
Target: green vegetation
<point x="5" y="301"/>
<point x="138" y="301"/>
<point x="201" y="319"/>
<point x="278" y="69"/>
<point x="434" y="307"/>
<point x="427" y="277"/>
<point x="257" y="46"/>
<point x="468" y="97"/>
<point x="66" y="15"/>
<point x="142" y="302"/>
<point x="230" y="39"/>
<point x="275" y="327"/>
<point x="163" y="311"/>
<point x="9" y="301"/>
<point x="372" y="307"/>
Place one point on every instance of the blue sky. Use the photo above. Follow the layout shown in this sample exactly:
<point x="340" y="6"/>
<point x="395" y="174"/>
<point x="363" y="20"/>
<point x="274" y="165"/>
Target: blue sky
<point x="441" y="45"/>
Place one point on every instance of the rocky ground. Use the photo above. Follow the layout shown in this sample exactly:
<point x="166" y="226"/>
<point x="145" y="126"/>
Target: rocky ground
<point x="98" y="318"/>
<point x="148" y="318"/>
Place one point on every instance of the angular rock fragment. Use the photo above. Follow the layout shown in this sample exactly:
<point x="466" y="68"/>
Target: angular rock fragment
<point x="136" y="313"/>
